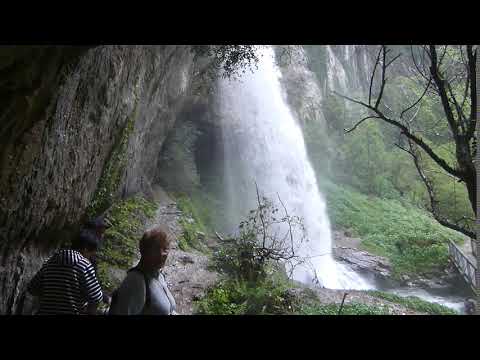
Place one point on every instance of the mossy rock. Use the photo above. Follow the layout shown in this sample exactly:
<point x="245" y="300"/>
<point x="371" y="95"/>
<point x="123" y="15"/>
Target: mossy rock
<point x="195" y="222"/>
<point x="113" y="171"/>
<point x="120" y="245"/>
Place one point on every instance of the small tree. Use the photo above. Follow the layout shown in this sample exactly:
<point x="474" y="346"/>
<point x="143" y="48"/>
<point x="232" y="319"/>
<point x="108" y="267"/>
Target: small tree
<point x="266" y="238"/>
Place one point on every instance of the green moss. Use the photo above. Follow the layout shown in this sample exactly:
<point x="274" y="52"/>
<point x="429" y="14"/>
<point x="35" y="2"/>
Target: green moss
<point x="415" y="303"/>
<point x="113" y="171"/>
<point x="194" y="221"/>
<point x="120" y="243"/>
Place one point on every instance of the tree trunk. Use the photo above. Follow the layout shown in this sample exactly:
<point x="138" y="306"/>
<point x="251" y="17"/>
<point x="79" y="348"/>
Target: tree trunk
<point x="471" y="182"/>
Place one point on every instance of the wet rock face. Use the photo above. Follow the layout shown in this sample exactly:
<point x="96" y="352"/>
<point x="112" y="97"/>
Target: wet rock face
<point x="52" y="162"/>
<point x="363" y="261"/>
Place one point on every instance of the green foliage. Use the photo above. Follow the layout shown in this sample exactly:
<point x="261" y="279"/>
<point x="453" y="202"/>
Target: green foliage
<point x="317" y="61"/>
<point x="415" y="303"/>
<point x="364" y="157"/>
<point x="120" y="243"/>
<point x="236" y="258"/>
<point x="112" y="172"/>
<point x="194" y="222"/>
<point x="336" y="114"/>
<point x="237" y="297"/>
<point x="414" y="242"/>
<point x="452" y="196"/>
<point x="319" y="146"/>
<point x="260" y="244"/>
<point x="348" y="309"/>
<point x="252" y="264"/>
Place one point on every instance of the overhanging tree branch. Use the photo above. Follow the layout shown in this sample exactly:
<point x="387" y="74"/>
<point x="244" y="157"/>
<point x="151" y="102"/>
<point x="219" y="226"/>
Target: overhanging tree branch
<point x="382" y="85"/>
<point x="419" y="99"/>
<point x="358" y="123"/>
<point x="417" y="67"/>
<point x="440" y="84"/>
<point x="431" y="193"/>
<point x="441" y="162"/>
<point x="462" y="133"/>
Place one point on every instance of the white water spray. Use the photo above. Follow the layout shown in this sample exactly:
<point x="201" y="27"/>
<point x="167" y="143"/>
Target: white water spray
<point x="264" y="144"/>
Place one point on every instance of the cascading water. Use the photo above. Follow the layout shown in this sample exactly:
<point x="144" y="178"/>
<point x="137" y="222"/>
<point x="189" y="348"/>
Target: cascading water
<point x="264" y="144"/>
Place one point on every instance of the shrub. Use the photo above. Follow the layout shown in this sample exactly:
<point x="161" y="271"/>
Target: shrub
<point x="266" y="239"/>
<point x="252" y="264"/>
<point x="239" y="297"/>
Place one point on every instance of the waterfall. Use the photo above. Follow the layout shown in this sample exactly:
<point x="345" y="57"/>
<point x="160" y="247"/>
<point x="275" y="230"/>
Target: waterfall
<point x="264" y="144"/>
<point x="337" y="78"/>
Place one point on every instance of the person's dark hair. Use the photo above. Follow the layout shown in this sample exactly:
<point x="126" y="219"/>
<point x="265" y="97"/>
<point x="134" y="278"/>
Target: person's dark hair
<point x="87" y="239"/>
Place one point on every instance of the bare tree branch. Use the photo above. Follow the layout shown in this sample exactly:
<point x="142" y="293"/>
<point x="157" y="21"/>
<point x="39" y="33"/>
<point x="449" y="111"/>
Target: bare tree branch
<point x="416" y="65"/>
<point x="391" y="61"/>
<point x="261" y="216"/>
<point x="419" y="99"/>
<point x="467" y="87"/>
<point x="437" y="84"/>
<point x="288" y="222"/>
<point x="440" y="83"/>
<point x="373" y="76"/>
<point x="382" y="86"/>
<point x="441" y="162"/>
<point x="358" y="123"/>
<point x="406" y="150"/>
<point x="431" y="193"/>
<point x="414" y="115"/>
<point x="442" y="57"/>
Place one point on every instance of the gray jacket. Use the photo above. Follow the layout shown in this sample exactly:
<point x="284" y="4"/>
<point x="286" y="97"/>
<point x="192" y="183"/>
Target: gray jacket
<point x="131" y="296"/>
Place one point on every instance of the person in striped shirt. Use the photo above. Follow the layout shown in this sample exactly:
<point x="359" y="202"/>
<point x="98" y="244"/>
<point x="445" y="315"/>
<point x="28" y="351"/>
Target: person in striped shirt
<point x="98" y="225"/>
<point x="66" y="283"/>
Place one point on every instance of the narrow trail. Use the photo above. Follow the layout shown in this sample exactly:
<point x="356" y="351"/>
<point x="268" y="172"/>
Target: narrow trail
<point x="186" y="272"/>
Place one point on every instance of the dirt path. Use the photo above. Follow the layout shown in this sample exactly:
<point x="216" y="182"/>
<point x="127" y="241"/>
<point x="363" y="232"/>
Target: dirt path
<point x="186" y="272"/>
<point x="187" y="278"/>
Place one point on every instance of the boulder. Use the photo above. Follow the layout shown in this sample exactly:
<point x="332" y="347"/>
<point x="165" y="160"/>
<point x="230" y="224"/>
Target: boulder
<point x="362" y="260"/>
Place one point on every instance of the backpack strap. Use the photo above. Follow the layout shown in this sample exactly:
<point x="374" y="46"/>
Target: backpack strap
<point x="147" y="287"/>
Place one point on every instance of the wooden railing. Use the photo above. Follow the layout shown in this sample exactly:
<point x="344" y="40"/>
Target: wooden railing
<point x="464" y="265"/>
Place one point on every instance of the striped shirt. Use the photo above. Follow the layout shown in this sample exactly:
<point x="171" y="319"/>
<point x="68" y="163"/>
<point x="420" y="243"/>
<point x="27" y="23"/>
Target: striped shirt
<point x="65" y="284"/>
